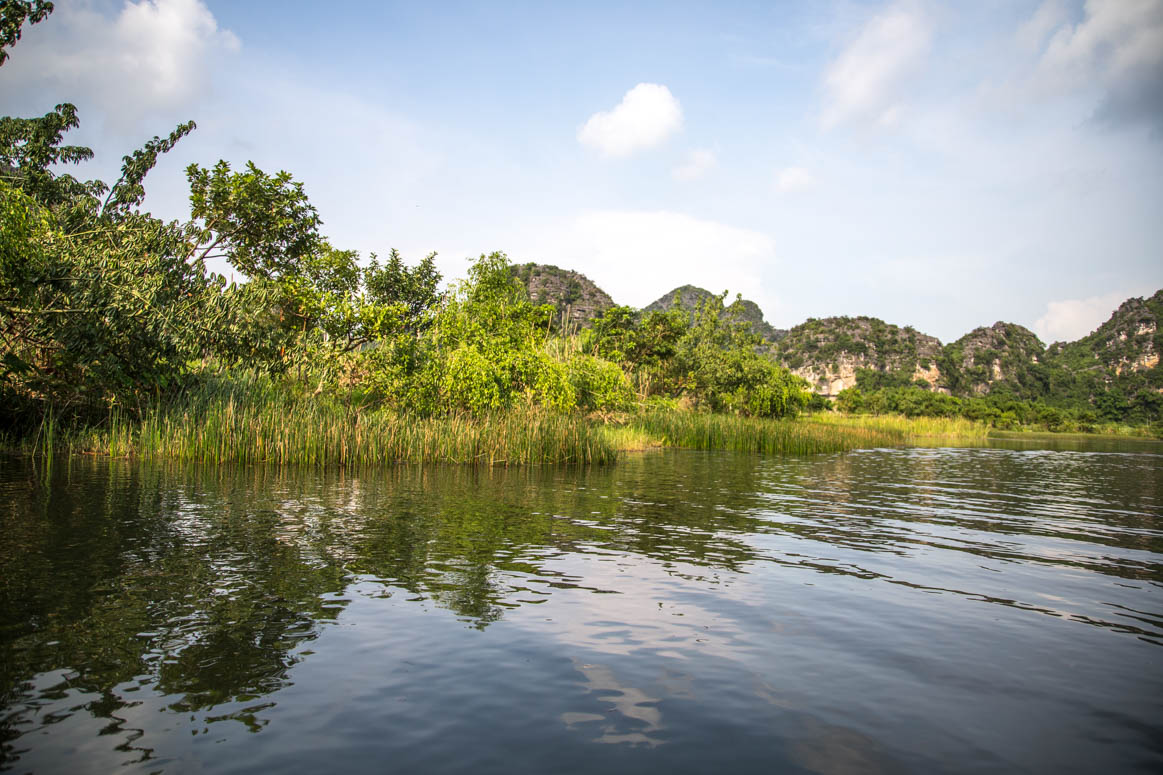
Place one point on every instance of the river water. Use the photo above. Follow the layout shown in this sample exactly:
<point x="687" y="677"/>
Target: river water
<point x="919" y="610"/>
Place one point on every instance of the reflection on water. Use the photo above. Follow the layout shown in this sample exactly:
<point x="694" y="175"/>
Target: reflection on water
<point x="885" y="610"/>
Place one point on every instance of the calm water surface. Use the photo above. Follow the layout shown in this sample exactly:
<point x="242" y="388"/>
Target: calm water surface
<point x="925" y="610"/>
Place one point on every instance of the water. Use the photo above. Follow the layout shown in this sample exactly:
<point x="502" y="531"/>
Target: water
<point x="926" y="610"/>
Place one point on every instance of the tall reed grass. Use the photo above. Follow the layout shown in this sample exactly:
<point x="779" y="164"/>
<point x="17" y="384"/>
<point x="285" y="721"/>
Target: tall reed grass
<point x="906" y="430"/>
<point x="747" y="434"/>
<point x="247" y="419"/>
<point x="261" y="422"/>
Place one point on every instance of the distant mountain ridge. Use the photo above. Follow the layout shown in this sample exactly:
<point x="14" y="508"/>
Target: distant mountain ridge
<point x="1115" y="367"/>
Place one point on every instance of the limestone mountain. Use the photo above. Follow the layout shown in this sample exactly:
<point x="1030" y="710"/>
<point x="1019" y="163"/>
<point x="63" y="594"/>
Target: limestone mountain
<point x="689" y="297"/>
<point x="686" y="296"/>
<point x="1114" y="370"/>
<point x="1116" y="367"/>
<point x="568" y="292"/>
<point x="832" y="354"/>
<point x="1004" y="356"/>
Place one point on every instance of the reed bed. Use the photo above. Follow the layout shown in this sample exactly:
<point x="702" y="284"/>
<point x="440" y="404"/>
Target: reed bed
<point x="907" y="430"/>
<point x="693" y="430"/>
<point x="259" y="420"/>
<point x="263" y="425"/>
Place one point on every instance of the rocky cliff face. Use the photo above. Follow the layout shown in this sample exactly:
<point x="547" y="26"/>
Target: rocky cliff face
<point x="687" y="297"/>
<point x="1002" y="356"/>
<point x="1116" y="368"/>
<point x="833" y="353"/>
<point x="568" y="292"/>
<point x="1128" y="342"/>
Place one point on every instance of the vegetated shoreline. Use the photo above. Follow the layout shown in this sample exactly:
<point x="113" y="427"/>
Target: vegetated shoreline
<point x="120" y="341"/>
<point x="277" y="427"/>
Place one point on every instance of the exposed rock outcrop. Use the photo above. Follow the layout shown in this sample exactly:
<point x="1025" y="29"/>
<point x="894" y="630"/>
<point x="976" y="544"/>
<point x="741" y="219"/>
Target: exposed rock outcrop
<point x="833" y="353"/>
<point x="569" y="292"/>
<point x="1004" y="355"/>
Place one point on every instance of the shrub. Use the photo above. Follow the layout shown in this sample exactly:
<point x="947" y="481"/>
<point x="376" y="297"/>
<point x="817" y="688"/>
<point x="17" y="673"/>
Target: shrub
<point x="599" y="385"/>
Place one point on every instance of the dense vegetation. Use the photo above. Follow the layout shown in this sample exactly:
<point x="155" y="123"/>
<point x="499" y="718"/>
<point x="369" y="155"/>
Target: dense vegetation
<point x="107" y="311"/>
<point x="116" y="335"/>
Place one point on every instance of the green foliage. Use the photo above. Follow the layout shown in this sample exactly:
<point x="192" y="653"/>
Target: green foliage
<point x="128" y="191"/>
<point x="29" y="150"/>
<point x="262" y="224"/>
<point x="100" y="305"/>
<point x="413" y="291"/>
<point x="873" y="379"/>
<point x="105" y="317"/>
<point x="622" y="335"/>
<point x="599" y="385"/>
<point x="13" y="15"/>
<point x="719" y="366"/>
<point x="997" y="410"/>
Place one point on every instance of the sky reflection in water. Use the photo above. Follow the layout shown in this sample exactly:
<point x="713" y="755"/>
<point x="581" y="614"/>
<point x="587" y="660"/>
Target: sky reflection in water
<point x="904" y="610"/>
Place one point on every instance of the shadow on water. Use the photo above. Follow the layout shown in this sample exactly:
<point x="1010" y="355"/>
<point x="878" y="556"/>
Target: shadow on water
<point x="126" y="588"/>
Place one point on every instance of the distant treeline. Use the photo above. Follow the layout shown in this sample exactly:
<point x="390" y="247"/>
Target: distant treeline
<point x="998" y="410"/>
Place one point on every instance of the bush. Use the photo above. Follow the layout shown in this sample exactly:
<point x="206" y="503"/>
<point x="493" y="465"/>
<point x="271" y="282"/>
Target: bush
<point x="599" y="385"/>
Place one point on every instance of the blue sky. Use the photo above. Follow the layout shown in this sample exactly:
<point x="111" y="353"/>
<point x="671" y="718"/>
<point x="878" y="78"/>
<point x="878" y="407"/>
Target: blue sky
<point x="943" y="165"/>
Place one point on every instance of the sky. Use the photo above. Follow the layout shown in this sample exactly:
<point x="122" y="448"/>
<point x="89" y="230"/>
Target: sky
<point x="935" y="164"/>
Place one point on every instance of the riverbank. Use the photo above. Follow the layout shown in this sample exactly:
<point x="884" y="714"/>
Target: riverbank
<point x="263" y="424"/>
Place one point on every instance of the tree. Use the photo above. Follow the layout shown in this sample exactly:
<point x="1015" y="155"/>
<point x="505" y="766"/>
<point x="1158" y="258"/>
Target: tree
<point x="31" y="147"/>
<point x="13" y="15"/>
<point x="98" y="303"/>
<point x="262" y="224"/>
<point x="718" y="363"/>
<point x="414" y="291"/>
<point x="128" y="191"/>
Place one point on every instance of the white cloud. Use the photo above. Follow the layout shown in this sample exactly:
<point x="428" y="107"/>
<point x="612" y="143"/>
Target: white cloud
<point x="1118" y="48"/>
<point x="1049" y="15"/>
<point x="792" y="179"/>
<point x="1071" y="319"/>
<point x="152" y="57"/>
<point x="698" y="163"/>
<point x="864" y="84"/>
<point x="645" y="117"/>
<point x="637" y="256"/>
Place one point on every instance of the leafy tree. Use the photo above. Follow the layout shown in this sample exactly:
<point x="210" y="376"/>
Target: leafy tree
<point x="623" y="335"/>
<point x="31" y="147"/>
<point x="92" y="319"/>
<point x="719" y="365"/>
<point x="98" y="304"/>
<point x="482" y="351"/>
<point x="13" y="15"/>
<point x="262" y="224"/>
<point x="414" y="291"/>
<point x="128" y="191"/>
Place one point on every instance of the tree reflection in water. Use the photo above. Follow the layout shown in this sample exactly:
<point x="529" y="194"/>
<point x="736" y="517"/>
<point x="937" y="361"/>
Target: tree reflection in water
<point x="209" y="584"/>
